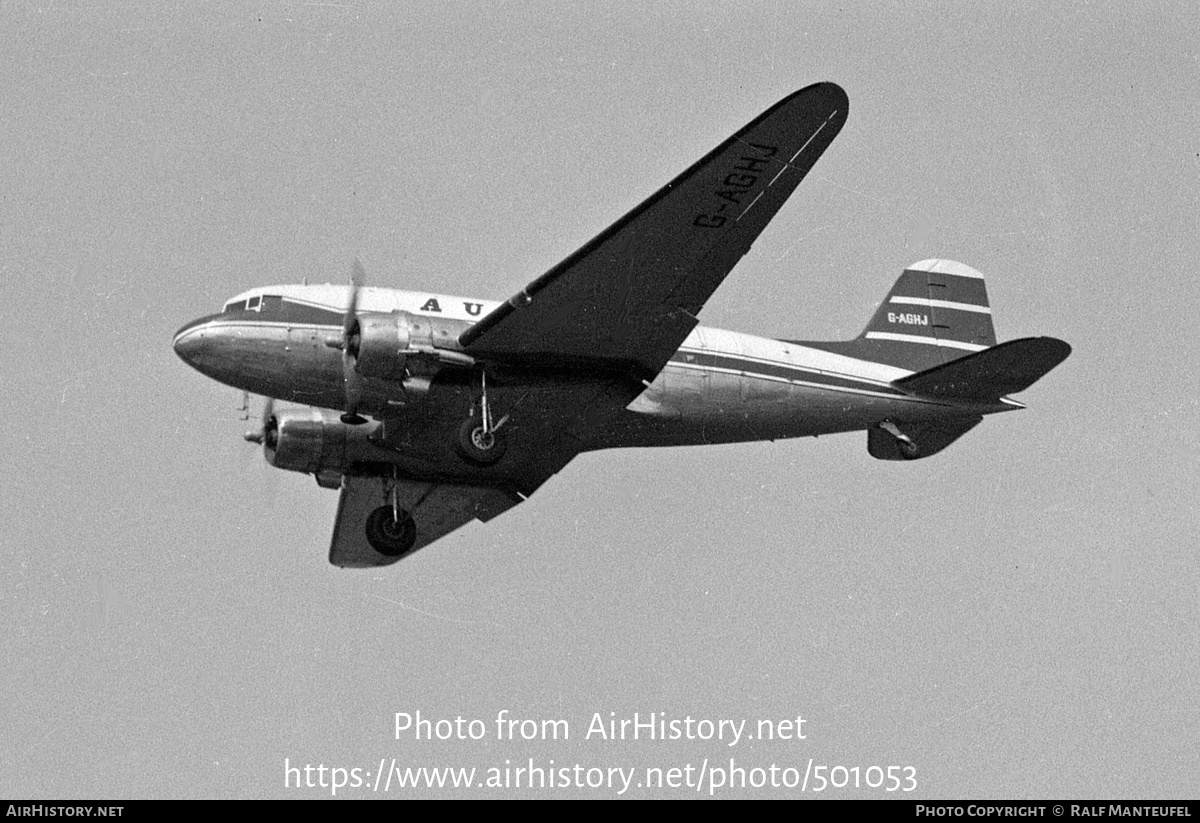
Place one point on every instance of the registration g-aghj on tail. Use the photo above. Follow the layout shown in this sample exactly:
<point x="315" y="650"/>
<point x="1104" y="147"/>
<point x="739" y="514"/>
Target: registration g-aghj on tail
<point x="428" y="411"/>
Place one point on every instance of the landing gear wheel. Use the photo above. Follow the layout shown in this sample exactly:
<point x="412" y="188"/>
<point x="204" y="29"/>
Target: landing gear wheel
<point x="908" y="449"/>
<point x="389" y="536"/>
<point x="481" y="447"/>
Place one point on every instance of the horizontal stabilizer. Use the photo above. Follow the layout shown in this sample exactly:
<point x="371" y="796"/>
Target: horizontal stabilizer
<point x="990" y="374"/>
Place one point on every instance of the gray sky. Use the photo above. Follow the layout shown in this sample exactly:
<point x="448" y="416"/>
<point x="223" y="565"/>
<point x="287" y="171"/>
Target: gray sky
<point x="1015" y="617"/>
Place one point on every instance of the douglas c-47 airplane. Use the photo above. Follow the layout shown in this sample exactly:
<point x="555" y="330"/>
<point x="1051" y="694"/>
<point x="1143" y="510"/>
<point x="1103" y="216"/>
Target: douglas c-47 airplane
<point x="429" y="411"/>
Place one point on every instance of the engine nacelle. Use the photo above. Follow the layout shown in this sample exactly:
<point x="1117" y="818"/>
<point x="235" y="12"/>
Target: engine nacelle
<point x="383" y="346"/>
<point x="316" y="442"/>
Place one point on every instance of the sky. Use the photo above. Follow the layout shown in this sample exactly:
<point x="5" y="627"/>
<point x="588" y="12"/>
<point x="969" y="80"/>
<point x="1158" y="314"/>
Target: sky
<point x="1018" y="616"/>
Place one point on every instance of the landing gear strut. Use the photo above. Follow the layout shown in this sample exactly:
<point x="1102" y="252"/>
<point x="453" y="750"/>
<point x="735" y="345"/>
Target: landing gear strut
<point x="480" y="440"/>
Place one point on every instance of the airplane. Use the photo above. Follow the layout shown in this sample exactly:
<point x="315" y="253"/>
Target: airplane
<point x="428" y="411"/>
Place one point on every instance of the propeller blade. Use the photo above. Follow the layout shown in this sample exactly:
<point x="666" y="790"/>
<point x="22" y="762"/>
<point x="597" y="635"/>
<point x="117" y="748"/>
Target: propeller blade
<point x="350" y="319"/>
<point x="270" y="427"/>
<point x="268" y="432"/>
<point x="351" y="337"/>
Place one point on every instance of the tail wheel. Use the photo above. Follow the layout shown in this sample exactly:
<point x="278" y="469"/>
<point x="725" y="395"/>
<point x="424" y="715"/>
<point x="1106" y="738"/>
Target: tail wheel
<point x="478" y="446"/>
<point x="388" y="535"/>
<point x="904" y="445"/>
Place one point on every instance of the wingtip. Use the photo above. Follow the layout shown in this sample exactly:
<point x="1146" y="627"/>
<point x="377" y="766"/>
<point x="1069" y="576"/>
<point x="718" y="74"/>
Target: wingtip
<point x="831" y="96"/>
<point x="834" y="92"/>
<point x="1054" y="351"/>
<point x="1060" y="347"/>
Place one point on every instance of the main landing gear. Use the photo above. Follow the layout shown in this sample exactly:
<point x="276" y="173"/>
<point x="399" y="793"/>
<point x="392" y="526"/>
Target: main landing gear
<point x="389" y="534"/>
<point x="391" y="530"/>
<point x="480" y="440"/>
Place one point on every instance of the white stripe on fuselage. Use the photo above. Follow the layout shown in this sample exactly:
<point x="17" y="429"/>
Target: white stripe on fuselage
<point x="796" y="381"/>
<point x="704" y="339"/>
<point x="929" y="341"/>
<point x="766" y="350"/>
<point x="378" y="299"/>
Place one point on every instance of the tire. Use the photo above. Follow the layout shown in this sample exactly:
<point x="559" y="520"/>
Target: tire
<point x="909" y="450"/>
<point x="390" y="537"/>
<point x="475" y="448"/>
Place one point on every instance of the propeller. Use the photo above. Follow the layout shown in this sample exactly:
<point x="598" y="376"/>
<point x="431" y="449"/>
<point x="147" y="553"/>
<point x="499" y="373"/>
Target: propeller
<point x="349" y="344"/>
<point x="268" y="434"/>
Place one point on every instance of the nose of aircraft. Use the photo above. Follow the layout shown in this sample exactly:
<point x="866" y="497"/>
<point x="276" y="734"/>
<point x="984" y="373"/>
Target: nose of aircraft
<point x="187" y="344"/>
<point x="189" y="341"/>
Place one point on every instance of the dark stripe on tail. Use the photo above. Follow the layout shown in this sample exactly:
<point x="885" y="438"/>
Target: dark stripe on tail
<point x="936" y="312"/>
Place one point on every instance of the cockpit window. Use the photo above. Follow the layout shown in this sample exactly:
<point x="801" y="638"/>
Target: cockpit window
<point x="258" y="302"/>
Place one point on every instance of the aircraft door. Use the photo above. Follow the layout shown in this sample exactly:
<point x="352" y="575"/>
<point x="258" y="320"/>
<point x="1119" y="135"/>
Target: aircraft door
<point x="763" y="386"/>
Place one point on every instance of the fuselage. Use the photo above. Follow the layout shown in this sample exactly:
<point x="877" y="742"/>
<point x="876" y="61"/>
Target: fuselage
<point x="719" y="387"/>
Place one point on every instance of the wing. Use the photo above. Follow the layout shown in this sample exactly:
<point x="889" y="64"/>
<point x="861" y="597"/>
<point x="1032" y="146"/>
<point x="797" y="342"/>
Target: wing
<point x="437" y="508"/>
<point x="630" y="296"/>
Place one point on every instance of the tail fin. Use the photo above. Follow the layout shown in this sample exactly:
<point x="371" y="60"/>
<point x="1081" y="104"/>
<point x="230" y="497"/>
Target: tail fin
<point x="937" y="311"/>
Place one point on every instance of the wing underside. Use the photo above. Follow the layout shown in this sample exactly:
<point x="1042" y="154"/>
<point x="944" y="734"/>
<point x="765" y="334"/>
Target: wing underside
<point x="437" y="509"/>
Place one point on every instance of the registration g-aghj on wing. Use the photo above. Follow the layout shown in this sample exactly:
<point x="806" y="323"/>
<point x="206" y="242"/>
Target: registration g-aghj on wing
<point x="428" y="411"/>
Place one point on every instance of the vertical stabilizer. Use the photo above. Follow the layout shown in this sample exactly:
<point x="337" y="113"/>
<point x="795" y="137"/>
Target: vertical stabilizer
<point x="937" y="311"/>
